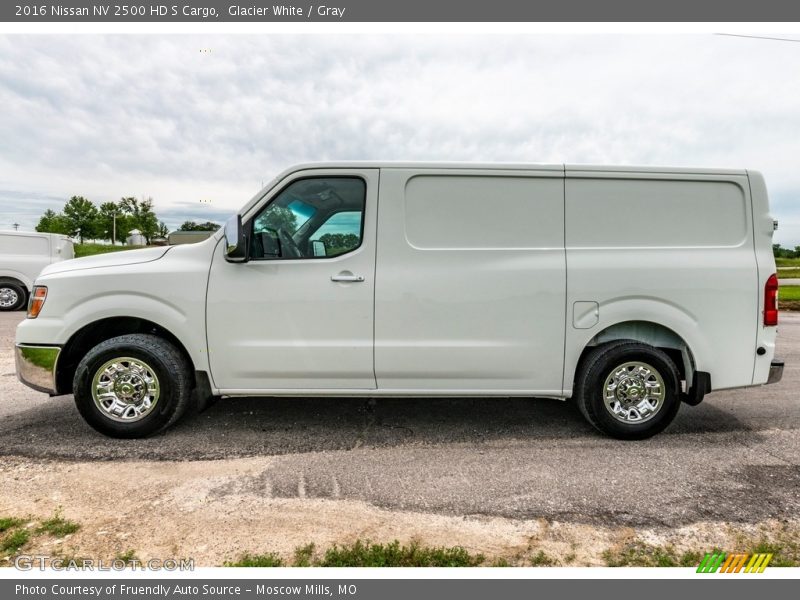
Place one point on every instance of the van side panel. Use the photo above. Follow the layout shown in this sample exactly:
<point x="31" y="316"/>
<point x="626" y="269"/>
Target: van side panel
<point x="470" y="282"/>
<point x="672" y="249"/>
<point x="23" y="256"/>
<point x="763" y="228"/>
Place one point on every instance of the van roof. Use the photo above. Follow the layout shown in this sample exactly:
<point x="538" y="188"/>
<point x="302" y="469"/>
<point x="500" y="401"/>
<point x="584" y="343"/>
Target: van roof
<point x="33" y="233"/>
<point x="566" y="169"/>
<point x="512" y="166"/>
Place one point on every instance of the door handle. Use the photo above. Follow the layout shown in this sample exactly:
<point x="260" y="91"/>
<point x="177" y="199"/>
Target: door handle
<point x="347" y="277"/>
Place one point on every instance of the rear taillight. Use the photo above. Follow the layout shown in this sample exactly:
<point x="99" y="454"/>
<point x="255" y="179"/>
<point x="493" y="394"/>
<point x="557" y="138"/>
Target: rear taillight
<point x="38" y="296"/>
<point x="771" y="301"/>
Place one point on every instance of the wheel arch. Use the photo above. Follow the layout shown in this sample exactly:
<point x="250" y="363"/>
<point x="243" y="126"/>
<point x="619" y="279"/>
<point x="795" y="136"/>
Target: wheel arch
<point x="652" y="333"/>
<point x="17" y="277"/>
<point x="100" y="330"/>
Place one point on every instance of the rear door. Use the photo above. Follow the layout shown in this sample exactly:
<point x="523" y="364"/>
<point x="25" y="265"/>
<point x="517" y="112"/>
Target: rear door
<point x="471" y="281"/>
<point x="63" y="248"/>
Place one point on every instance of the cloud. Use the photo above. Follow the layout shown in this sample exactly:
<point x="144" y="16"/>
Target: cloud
<point x="110" y="116"/>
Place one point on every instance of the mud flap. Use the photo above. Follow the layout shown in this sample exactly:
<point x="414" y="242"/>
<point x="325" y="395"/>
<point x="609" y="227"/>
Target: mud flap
<point x="701" y="385"/>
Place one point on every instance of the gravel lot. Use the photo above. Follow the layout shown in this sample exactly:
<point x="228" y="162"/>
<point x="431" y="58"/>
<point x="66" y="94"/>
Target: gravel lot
<point x="425" y="465"/>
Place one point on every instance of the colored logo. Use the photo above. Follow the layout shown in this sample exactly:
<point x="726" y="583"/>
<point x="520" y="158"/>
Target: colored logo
<point x="722" y="562"/>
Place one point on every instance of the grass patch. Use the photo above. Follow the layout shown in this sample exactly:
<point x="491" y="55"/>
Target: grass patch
<point x="501" y="562"/>
<point x="127" y="556"/>
<point x="786" y="553"/>
<point x="361" y="554"/>
<point x="366" y="554"/>
<point x="304" y="555"/>
<point x="257" y="560"/>
<point x="58" y="526"/>
<point x="639" y="554"/>
<point x="788" y="292"/>
<point x="82" y="250"/>
<point x="788" y="262"/>
<point x="691" y="559"/>
<point x="14" y="540"/>
<point x="540" y="559"/>
<point x="7" y="523"/>
<point x="789" y="273"/>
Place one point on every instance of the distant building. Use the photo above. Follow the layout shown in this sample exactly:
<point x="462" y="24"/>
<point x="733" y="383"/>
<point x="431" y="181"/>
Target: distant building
<point x="189" y="237"/>
<point x="135" y="238"/>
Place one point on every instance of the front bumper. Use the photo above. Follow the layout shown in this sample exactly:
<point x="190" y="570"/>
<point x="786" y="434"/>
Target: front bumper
<point x="775" y="371"/>
<point x="36" y="366"/>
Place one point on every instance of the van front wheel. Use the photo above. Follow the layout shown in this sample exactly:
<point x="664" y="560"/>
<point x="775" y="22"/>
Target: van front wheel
<point x="132" y="386"/>
<point x="628" y="390"/>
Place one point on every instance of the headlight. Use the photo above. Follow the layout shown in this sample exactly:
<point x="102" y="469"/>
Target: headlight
<point x="38" y="296"/>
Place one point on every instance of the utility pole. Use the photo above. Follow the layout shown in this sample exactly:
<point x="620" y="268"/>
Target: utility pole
<point x="114" y="230"/>
<point x="16" y="226"/>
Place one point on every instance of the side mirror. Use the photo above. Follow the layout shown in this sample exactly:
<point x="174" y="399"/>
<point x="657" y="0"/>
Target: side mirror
<point x="318" y="248"/>
<point x="235" y="240"/>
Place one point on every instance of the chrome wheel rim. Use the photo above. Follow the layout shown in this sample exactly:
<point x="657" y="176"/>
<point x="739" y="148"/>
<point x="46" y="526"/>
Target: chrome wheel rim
<point x="125" y="389"/>
<point x="8" y="297"/>
<point x="633" y="392"/>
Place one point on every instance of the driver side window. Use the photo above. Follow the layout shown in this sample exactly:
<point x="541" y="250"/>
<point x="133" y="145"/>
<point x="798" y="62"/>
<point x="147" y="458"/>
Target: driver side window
<point x="315" y="217"/>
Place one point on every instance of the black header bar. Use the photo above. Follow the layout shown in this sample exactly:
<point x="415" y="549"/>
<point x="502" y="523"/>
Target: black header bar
<point x="401" y="11"/>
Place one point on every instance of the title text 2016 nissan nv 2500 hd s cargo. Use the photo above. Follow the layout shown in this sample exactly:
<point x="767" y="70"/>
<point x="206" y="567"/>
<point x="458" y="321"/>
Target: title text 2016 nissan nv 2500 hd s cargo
<point x="628" y="290"/>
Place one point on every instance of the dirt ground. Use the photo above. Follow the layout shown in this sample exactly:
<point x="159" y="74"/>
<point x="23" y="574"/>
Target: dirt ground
<point x="172" y="510"/>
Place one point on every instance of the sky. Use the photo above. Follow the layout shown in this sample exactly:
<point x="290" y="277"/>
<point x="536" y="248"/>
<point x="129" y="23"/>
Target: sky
<point x="199" y="123"/>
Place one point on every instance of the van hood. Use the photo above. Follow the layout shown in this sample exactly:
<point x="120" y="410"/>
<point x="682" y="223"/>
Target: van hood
<point x="111" y="259"/>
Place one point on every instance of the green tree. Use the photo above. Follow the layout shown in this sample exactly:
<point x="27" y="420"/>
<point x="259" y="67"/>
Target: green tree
<point x="142" y="215"/>
<point x="276" y="218"/>
<point x="148" y="219"/>
<point x="53" y="222"/>
<point x="193" y="226"/>
<point x="124" y="225"/>
<point x="107" y="214"/>
<point x="779" y="252"/>
<point x="81" y="215"/>
<point x="339" y="243"/>
<point x="163" y="230"/>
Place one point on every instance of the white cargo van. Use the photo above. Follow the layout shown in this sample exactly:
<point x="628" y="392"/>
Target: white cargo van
<point x="22" y="257"/>
<point x="629" y="290"/>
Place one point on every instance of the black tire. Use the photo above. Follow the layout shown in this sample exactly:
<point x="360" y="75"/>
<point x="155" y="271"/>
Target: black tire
<point x="600" y="363"/>
<point x="171" y="368"/>
<point x="9" y="288"/>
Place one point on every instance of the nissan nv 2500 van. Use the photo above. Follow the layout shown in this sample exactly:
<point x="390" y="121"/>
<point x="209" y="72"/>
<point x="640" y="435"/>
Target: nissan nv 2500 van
<point x="630" y="291"/>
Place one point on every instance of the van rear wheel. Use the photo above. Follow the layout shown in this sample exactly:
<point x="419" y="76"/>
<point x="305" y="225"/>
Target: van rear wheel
<point x="132" y="386"/>
<point x="628" y="390"/>
<point x="12" y="295"/>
